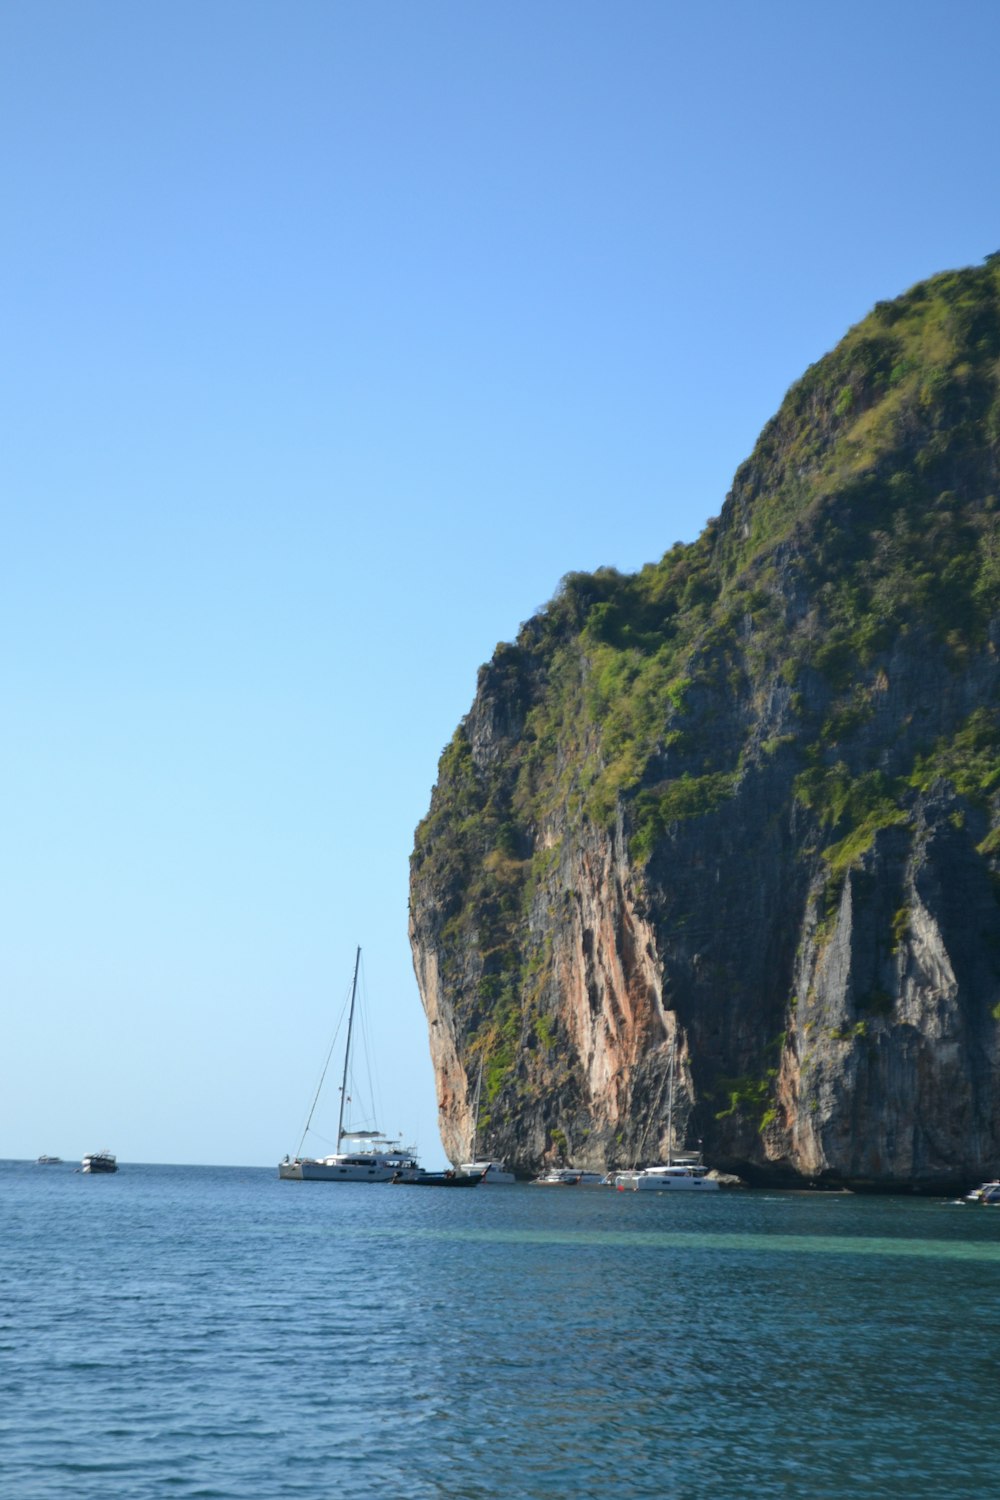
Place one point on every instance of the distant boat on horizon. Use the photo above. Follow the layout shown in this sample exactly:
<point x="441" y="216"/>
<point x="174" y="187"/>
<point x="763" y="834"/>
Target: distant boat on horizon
<point x="49" y="1161"/>
<point x="100" y="1162"/>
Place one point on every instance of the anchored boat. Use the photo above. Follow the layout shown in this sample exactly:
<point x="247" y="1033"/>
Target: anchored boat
<point x="986" y="1193"/>
<point x="681" y="1174"/>
<point x="570" y="1177"/>
<point x="421" y="1178"/>
<point x="361" y="1155"/>
<point x="684" y="1173"/>
<point x="99" y="1161"/>
<point x="490" y="1173"/>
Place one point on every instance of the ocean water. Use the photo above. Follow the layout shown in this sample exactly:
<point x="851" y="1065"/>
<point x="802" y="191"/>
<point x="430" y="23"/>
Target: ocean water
<point x="212" y="1332"/>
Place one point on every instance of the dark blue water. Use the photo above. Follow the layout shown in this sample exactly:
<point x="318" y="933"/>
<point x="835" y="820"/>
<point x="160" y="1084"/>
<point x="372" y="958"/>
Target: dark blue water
<point x="213" y="1332"/>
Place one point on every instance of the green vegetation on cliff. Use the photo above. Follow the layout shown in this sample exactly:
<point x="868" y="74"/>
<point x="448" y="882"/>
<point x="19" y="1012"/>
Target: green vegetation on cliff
<point x="831" y="637"/>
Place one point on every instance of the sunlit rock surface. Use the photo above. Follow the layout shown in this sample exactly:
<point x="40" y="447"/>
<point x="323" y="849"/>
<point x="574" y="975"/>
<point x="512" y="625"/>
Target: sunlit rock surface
<point x="745" y="806"/>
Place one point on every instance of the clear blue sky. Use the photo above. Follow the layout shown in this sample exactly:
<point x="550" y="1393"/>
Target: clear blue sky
<point x="333" y="336"/>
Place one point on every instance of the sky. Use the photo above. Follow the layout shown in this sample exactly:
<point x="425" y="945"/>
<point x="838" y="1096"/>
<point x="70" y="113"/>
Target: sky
<point x="334" y="335"/>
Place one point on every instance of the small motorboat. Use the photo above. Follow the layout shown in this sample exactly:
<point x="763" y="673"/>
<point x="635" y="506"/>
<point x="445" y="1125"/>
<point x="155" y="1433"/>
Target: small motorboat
<point x="435" y="1179"/>
<point x="570" y="1177"/>
<point x="986" y="1192"/>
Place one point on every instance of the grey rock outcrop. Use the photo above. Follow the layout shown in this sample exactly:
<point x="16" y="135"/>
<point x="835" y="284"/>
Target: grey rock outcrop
<point x="744" y="808"/>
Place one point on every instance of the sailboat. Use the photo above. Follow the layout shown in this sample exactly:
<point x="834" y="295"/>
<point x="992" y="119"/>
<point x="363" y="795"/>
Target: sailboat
<point x="491" y="1173"/>
<point x="361" y="1155"/>
<point x="684" y="1172"/>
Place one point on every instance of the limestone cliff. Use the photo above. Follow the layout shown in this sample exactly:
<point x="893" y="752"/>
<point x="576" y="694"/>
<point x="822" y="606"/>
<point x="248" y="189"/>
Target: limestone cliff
<point x="746" y="804"/>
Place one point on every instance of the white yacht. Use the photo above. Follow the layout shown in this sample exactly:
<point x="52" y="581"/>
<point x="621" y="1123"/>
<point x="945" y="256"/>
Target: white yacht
<point x="369" y="1157"/>
<point x="570" y="1177"/>
<point x="361" y="1155"/>
<point x="681" y="1174"/>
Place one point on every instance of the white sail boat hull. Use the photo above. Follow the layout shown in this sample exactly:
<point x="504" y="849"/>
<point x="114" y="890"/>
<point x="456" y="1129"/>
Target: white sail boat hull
<point x="325" y="1171"/>
<point x="343" y="1169"/>
<point x="667" y="1180"/>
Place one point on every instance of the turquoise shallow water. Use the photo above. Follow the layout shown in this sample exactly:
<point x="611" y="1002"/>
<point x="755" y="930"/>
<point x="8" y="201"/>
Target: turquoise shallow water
<point x="213" y="1332"/>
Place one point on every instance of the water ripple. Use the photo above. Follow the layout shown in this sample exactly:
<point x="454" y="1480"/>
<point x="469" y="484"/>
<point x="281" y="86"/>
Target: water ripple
<point x="213" y="1334"/>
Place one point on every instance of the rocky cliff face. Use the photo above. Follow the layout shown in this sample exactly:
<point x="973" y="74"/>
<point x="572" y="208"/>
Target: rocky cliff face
<point x="745" y="807"/>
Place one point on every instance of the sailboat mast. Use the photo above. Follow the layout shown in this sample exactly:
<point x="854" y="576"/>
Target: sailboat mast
<point x="347" y="1050"/>
<point x="670" y="1105"/>
<point x="475" y="1112"/>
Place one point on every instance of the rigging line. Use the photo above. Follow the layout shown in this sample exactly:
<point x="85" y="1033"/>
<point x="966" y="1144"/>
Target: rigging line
<point x="376" y="1102"/>
<point x="475" y="1110"/>
<point x="653" y="1112"/>
<point x="322" y="1076"/>
<point x="354" y="1114"/>
<point x="365" y="1098"/>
